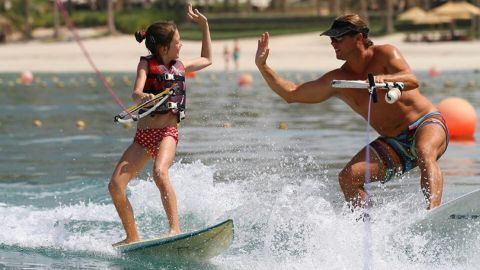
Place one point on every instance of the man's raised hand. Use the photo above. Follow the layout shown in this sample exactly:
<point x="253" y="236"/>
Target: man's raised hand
<point x="262" y="50"/>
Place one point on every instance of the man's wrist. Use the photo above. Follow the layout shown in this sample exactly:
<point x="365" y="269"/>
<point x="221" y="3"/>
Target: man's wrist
<point x="262" y="66"/>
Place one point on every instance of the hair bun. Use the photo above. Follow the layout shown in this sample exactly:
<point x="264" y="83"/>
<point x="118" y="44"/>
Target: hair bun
<point x="140" y="36"/>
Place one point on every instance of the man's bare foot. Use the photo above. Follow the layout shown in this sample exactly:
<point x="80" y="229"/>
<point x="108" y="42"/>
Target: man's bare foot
<point x="126" y="241"/>
<point x="173" y="232"/>
<point x="169" y="234"/>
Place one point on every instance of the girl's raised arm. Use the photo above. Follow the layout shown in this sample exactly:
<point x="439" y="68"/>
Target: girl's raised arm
<point x="205" y="58"/>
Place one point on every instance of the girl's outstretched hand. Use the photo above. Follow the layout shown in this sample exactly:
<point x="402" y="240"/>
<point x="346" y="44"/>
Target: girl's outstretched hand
<point x="196" y="16"/>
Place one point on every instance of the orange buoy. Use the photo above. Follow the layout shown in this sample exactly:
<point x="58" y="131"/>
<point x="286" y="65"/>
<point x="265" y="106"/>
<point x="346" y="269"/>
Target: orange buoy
<point x="26" y="77"/>
<point x="191" y="74"/>
<point x="460" y="116"/>
<point x="245" y="79"/>
<point x="433" y="72"/>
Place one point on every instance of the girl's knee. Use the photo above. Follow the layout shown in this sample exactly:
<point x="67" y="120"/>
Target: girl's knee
<point x="160" y="175"/>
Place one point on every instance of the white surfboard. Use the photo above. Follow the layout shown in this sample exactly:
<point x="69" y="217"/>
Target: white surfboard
<point x="201" y="244"/>
<point x="447" y="229"/>
<point x="455" y="214"/>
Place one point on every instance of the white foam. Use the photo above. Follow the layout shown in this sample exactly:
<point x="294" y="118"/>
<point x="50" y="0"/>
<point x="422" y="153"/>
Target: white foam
<point x="279" y="223"/>
<point x="93" y="227"/>
<point x="28" y="226"/>
<point x="197" y="193"/>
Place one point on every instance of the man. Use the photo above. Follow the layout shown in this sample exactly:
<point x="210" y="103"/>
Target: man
<point x="412" y="132"/>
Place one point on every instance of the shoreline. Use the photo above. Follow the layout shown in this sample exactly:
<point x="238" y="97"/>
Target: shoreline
<point x="121" y="53"/>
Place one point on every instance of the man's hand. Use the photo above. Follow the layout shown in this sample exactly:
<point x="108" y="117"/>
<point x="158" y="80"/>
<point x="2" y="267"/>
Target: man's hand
<point x="196" y="16"/>
<point x="379" y="78"/>
<point x="262" y="50"/>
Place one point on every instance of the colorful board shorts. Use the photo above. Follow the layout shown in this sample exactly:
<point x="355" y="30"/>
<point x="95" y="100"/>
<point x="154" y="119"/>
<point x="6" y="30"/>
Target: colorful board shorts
<point x="404" y="146"/>
<point x="150" y="138"/>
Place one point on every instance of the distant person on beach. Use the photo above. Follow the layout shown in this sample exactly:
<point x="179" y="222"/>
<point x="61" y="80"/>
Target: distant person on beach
<point x="226" y="57"/>
<point x="157" y="135"/>
<point x="412" y="131"/>
<point x="236" y="54"/>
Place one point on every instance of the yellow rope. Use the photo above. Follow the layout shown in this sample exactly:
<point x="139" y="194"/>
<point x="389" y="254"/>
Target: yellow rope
<point x="134" y="107"/>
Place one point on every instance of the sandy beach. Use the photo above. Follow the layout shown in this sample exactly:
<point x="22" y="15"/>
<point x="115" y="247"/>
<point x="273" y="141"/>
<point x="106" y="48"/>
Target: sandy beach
<point x="306" y="51"/>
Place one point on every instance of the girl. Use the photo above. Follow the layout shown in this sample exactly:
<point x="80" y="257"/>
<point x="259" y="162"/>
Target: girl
<point x="157" y="135"/>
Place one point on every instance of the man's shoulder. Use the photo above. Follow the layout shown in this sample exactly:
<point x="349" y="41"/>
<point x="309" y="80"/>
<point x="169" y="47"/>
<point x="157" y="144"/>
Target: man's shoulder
<point x="334" y="74"/>
<point x="385" y="52"/>
<point x="384" y="48"/>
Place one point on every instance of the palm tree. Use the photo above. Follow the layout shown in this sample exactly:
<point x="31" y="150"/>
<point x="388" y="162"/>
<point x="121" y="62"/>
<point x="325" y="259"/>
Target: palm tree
<point x="120" y="5"/>
<point x="477" y="19"/>
<point x="237" y="6"/>
<point x="226" y="5"/>
<point x="56" y="21"/>
<point x="207" y="6"/>
<point x="28" y="19"/>
<point x="388" y="17"/>
<point x="19" y="13"/>
<point x="279" y="5"/>
<point x="334" y="7"/>
<point x="364" y="10"/>
<point x="111" y="18"/>
<point x="427" y="4"/>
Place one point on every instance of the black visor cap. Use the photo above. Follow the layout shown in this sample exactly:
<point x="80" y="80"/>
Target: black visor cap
<point x="340" y="28"/>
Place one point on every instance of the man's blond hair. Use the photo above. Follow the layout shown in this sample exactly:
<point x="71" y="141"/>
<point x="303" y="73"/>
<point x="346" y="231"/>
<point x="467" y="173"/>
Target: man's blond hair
<point x="356" y="20"/>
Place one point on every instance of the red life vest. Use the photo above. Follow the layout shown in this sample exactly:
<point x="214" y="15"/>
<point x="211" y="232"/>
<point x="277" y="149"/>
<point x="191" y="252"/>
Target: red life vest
<point x="159" y="78"/>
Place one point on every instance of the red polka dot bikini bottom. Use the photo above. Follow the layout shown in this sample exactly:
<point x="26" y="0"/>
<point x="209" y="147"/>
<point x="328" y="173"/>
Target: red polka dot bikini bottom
<point x="150" y="138"/>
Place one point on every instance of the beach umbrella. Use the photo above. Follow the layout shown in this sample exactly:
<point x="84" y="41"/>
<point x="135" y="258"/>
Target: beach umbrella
<point x="411" y="14"/>
<point x="457" y="10"/>
<point x="431" y="18"/>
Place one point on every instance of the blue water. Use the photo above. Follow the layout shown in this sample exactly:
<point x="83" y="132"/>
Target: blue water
<point x="279" y="185"/>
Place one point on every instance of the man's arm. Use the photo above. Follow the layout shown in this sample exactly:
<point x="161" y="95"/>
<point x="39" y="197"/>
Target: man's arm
<point x="309" y="92"/>
<point x="397" y="68"/>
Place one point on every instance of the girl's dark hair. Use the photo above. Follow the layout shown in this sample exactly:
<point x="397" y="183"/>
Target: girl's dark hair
<point x="157" y="34"/>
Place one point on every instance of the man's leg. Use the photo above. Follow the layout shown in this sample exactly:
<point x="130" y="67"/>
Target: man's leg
<point x="352" y="177"/>
<point x="430" y="144"/>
